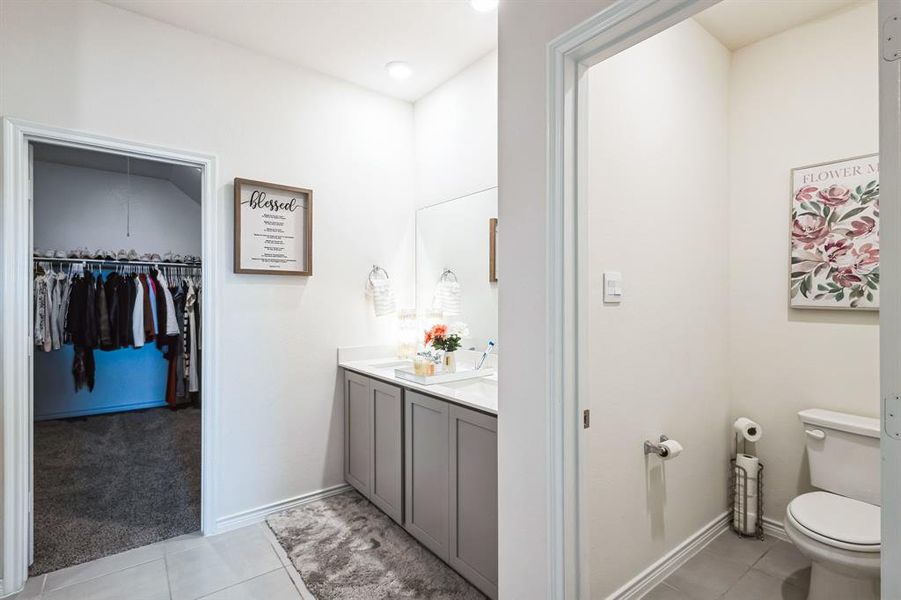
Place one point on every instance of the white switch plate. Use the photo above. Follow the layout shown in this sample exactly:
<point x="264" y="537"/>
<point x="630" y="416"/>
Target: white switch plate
<point x="613" y="287"/>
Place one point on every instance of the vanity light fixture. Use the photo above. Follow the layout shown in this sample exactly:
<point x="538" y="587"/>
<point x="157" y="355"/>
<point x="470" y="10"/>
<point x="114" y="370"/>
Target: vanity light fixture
<point x="398" y="69"/>
<point x="484" y="5"/>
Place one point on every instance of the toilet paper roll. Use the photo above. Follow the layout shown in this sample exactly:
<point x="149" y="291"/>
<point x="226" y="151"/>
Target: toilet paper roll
<point x="673" y="448"/>
<point x="748" y="429"/>
<point x="749" y="526"/>
<point x="749" y="463"/>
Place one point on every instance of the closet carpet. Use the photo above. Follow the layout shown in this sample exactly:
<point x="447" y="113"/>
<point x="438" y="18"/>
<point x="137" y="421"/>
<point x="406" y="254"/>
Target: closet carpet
<point x="108" y="483"/>
<point x="345" y="548"/>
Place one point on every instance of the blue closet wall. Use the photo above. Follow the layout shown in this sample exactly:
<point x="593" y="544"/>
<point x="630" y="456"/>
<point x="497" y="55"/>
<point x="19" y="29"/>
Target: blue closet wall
<point x="102" y="209"/>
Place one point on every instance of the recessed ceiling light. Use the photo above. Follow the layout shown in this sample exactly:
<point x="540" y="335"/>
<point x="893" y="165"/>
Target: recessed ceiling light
<point x="483" y="5"/>
<point x="398" y="69"/>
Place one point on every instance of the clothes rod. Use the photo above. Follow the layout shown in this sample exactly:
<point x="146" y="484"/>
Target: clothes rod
<point x="101" y="261"/>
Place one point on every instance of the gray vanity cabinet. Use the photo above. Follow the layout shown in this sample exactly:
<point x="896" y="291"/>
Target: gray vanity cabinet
<point x="387" y="470"/>
<point x="473" y="501"/>
<point x="357" y="430"/>
<point x="373" y="441"/>
<point x="427" y="475"/>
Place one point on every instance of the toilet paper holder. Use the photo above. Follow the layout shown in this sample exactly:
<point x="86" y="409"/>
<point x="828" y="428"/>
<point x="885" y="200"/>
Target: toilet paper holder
<point x="658" y="449"/>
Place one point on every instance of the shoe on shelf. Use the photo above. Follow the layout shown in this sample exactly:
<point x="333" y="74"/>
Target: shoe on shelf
<point x="49" y="253"/>
<point x="177" y="258"/>
<point x="132" y="254"/>
<point x="155" y="257"/>
<point x="121" y="255"/>
<point x="167" y="257"/>
<point x="145" y="257"/>
<point x="59" y="254"/>
<point x="109" y="255"/>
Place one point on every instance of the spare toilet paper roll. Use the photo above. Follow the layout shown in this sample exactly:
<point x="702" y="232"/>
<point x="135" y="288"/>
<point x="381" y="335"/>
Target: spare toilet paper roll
<point x="747" y="428"/>
<point x="749" y="463"/>
<point x="673" y="448"/>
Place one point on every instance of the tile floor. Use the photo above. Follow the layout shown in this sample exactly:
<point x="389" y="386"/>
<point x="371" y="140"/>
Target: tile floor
<point x="733" y="568"/>
<point x="244" y="564"/>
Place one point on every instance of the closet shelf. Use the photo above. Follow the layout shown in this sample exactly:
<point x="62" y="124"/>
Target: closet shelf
<point x="103" y="261"/>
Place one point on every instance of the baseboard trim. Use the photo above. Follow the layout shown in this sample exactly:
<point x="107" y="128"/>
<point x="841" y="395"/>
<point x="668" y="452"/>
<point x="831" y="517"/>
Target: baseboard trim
<point x="259" y="514"/>
<point x="775" y="528"/>
<point x="642" y="583"/>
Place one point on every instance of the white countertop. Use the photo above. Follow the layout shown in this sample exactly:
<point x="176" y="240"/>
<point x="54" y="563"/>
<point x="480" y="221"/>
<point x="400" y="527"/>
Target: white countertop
<point x="480" y="394"/>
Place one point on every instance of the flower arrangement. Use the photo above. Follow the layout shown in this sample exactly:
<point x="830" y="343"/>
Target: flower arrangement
<point x="447" y="339"/>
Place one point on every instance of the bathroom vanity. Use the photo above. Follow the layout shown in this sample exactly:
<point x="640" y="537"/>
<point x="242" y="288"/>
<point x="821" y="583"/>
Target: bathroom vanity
<point x="427" y="457"/>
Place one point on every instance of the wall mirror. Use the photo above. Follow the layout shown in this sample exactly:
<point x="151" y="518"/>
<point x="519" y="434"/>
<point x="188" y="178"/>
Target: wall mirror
<point x="456" y="274"/>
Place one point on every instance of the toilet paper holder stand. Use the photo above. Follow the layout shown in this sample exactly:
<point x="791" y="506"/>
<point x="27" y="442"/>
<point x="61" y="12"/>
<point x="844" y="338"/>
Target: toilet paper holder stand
<point x="658" y="449"/>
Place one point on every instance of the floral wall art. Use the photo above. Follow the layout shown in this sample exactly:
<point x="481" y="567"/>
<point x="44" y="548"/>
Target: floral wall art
<point x="835" y="235"/>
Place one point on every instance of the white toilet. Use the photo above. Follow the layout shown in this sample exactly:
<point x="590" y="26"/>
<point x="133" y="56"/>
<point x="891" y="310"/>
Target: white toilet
<point x="838" y="528"/>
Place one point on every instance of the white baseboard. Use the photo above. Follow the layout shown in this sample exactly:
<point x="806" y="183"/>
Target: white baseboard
<point x="774" y="528"/>
<point x="642" y="583"/>
<point x="259" y="514"/>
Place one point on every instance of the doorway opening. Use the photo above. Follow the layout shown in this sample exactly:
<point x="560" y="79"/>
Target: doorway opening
<point x="110" y="280"/>
<point x="117" y="302"/>
<point x="587" y="285"/>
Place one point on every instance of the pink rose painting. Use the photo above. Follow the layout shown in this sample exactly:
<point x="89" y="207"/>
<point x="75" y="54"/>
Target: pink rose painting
<point x="835" y="235"/>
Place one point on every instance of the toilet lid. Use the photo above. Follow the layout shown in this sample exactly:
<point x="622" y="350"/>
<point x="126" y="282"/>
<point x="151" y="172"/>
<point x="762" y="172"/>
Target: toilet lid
<point x="837" y="518"/>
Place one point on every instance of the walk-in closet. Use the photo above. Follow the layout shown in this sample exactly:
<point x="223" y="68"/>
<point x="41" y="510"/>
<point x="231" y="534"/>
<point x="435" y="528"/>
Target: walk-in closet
<point x="117" y="302"/>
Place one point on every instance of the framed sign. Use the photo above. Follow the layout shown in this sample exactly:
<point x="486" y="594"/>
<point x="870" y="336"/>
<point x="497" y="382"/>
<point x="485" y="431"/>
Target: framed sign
<point x="273" y="229"/>
<point x="835" y="235"/>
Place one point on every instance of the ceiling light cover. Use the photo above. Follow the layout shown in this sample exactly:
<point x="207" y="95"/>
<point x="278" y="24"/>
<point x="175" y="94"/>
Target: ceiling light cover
<point x="484" y="5"/>
<point x="398" y="69"/>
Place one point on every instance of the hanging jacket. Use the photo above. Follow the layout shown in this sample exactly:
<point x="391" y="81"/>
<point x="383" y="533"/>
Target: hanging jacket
<point x="106" y="342"/>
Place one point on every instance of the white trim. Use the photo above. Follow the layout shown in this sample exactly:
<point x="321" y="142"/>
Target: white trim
<point x="775" y="528"/>
<point x="670" y="562"/>
<point x="890" y="294"/>
<point x="259" y="514"/>
<point x="15" y="320"/>
<point x="621" y="25"/>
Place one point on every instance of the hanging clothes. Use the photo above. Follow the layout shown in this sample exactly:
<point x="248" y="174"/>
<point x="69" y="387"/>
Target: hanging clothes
<point x="94" y="311"/>
<point x="138" y="314"/>
<point x="106" y="339"/>
<point x="193" y="383"/>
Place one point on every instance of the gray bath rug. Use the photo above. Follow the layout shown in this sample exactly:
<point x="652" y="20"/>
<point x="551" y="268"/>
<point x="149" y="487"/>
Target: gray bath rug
<point x="346" y="549"/>
<point x="108" y="483"/>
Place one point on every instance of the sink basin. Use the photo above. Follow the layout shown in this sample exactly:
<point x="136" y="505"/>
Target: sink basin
<point x="392" y="364"/>
<point x="488" y="385"/>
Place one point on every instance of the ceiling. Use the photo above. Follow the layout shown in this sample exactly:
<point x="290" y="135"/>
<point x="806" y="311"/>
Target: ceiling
<point x="348" y="39"/>
<point x="185" y="178"/>
<point x="737" y="23"/>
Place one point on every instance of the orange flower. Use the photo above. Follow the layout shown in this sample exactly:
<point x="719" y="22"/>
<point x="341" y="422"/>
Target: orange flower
<point x="436" y="331"/>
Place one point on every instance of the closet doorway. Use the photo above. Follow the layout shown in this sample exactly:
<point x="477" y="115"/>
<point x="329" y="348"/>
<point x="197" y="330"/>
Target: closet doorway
<point x="109" y="448"/>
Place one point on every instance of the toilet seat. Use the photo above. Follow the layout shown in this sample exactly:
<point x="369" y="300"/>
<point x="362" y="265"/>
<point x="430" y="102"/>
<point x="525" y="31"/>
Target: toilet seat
<point x="837" y="521"/>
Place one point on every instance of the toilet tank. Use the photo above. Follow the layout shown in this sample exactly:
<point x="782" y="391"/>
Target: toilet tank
<point x="843" y="453"/>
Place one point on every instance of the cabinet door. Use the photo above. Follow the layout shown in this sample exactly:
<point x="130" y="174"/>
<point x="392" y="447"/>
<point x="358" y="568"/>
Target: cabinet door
<point x="426" y="450"/>
<point x="357" y="428"/>
<point x="473" y="499"/>
<point x="386" y="473"/>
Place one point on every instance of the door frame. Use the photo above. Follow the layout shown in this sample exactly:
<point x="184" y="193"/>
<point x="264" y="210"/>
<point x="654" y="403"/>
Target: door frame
<point x="16" y="346"/>
<point x="569" y="56"/>
<point x="890" y="296"/>
<point x="624" y="24"/>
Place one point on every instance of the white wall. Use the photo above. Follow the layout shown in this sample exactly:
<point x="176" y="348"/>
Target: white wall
<point x="524" y="30"/>
<point x="796" y="101"/>
<point x="88" y="66"/>
<point x="76" y="207"/>
<point x="658" y="164"/>
<point x="455" y="135"/>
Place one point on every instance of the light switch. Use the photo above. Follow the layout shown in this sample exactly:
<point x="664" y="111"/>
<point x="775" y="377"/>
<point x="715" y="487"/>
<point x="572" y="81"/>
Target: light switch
<point x="613" y="287"/>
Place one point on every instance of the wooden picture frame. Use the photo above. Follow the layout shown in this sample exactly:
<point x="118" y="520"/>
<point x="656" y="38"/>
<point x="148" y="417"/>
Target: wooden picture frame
<point x="492" y="250"/>
<point x="277" y="242"/>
